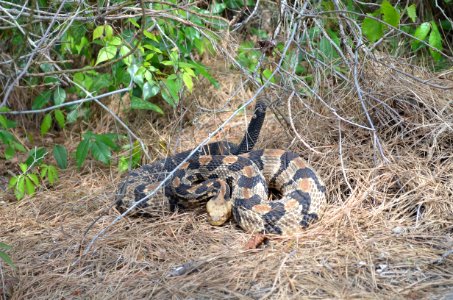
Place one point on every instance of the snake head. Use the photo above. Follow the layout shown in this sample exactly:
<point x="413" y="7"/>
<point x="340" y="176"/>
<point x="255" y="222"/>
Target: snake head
<point x="219" y="210"/>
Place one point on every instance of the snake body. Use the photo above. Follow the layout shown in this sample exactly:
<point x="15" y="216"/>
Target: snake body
<point x="238" y="186"/>
<point x="234" y="181"/>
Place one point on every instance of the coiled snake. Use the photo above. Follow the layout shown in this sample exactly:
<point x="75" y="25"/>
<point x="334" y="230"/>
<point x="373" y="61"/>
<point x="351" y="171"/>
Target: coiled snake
<point x="234" y="182"/>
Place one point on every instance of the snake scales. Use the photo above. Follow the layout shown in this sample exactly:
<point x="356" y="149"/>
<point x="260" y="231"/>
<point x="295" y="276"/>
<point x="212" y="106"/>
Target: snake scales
<point x="234" y="181"/>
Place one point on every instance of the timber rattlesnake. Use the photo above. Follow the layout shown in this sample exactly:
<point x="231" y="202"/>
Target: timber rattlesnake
<point x="236" y="182"/>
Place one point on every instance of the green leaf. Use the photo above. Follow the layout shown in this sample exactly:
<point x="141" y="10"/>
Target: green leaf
<point x="82" y="152"/>
<point x="9" y="152"/>
<point x="421" y="33"/>
<point x="18" y="146"/>
<point x="149" y="78"/>
<point x="435" y="40"/>
<point x="187" y="81"/>
<point x="123" y="51"/>
<point x="372" y="29"/>
<point x="34" y="178"/>
<point x="59" y="117"/>
<point x="150" y="89"/>
<point x="13" y="181"/>
<point x="135" y="75"/>
<point x="412" y="12"/>
<point x="61" y="156"/>
<point x="123" y="164"/>
<point x="19" y="191"/>
<point x="133" y="22"/>
<point x="217" y="8"/>
<point x="201" y="69"/>
<point x="50" y="80"/>
<point x="88" y="135"/>
<point x="44" y="169"/>
<point x="136" y="154"/>
<point x="46" y="67"/>
<point x="29" y="186"/>
<point x="106" y="53"/>
<point x="170" y="93"/>
<point x="101" y="152"/>
<point x="152" y="48"/>
<point x="23" y="167"/>
<point x="7" y="259"/>
<point x="72" y="116"/>
<point x="98" y="32"/>
<point x="46" y="124"/>
<point x="137" y="103"/>
<point x="107" y="139"/>
<point x="150" y="35"/>
<point x="5" y="122"/>
<point x="6" y="137"/>
<point x="84" y="80"/>
<point x="115" y="41"/>
<point x="167" y="63"/>
<point x="108" y="30"/>
<point x="41" y="100"/>
<point x="102" y="81"/>
<point x="52" y="174"/>
<point x="83" y="42"/>
<point x="5" y="246"/>
<point x="267" y="74"/>
<point x="390" y="14"/>
<point x="59" y="95"/>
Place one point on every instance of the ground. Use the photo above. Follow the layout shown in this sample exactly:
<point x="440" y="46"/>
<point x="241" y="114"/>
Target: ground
<point x="387" y="232"/>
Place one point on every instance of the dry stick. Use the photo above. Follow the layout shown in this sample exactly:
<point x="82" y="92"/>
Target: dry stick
<point x="342" y="32"/>
<point x="294" y="128"/>
<point x="30" y="59"/>
<point x="79" y="101"/>
<point x="362" y="101"/>
<point x="443" y="12"/>
<point x="340" y="153"/>
<point x="242" y="24"/>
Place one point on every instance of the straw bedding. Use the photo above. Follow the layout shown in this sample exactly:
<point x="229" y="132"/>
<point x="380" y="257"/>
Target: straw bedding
<point x="386" y="233"/>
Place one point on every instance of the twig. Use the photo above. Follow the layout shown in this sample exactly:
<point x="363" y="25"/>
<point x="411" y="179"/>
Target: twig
<point x="294" y="128"/>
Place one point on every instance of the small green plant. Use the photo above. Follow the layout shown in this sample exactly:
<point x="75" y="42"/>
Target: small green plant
<point x="126" y="162"/>
<point x="5" y="257"/>
<point x="35" y="173"/>
<point x="99" y="145"/>
<point x="7" y="138"/>
<point x="24" y="183"/>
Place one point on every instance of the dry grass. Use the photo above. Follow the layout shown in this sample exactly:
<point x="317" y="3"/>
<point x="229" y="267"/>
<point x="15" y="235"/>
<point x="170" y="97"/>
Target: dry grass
<point x="386" y="235"/>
